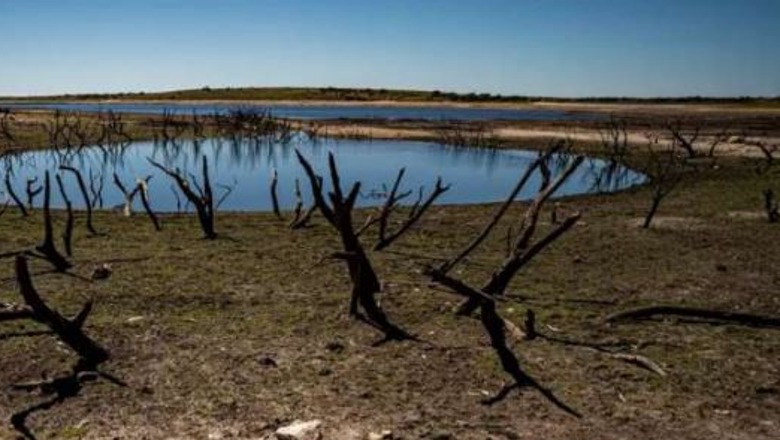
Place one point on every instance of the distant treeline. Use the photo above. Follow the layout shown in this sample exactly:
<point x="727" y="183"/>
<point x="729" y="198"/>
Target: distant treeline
<point x="367" y="95"/>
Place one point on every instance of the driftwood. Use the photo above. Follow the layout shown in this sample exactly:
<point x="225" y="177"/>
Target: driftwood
<point x="650" y="312"/>
<point x="48" y="248"/>
<point x="84" y="194"/>
<point x="203" y="200"/>
<point x="365" y="282"/>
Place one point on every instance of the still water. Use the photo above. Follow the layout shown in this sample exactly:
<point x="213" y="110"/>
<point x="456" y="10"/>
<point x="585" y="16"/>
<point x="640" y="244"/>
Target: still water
<point x="475" y="175"/>
<point x="322" y="111"/>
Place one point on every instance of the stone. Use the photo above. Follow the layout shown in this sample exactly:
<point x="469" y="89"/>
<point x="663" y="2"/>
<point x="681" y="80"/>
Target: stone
<point x="384" y="435"/>
<point x="299" y="430"/>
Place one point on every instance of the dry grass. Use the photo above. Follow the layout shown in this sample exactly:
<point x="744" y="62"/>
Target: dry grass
<point x="192" y="323"/>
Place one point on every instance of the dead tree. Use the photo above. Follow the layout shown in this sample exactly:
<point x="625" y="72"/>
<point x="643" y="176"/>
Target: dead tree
<point x="365" y="283"/>
<point x="32" y="191"/>
<point x="768" y="152"/>
<point x="300" y="217"/>
<point x="169" y="127"/>
<point x="664" y="168"/>
<point x="84" y="194"/>
<point x="70" y="331"/>
<point x="67" y="234"/>
<point x="274" y="195"/>
<point x="114" y="128"/>
<point x="47" y="247"/>
<point x="771" y="206"/>
<point x="10" y="189"/>
<point x="129" y="195"/>
<point x="96" y="183"/>
<point x="524" y="248"/>
<point x="684" y="141"/>
<point x="203" y="200"/>
<point x="142" y="187"/>
<point x="6" y="119"/>
<point x="386" y="238"/>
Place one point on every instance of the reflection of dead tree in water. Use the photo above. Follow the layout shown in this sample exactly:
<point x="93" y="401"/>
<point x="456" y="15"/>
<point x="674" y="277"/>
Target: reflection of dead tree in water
<point x="70" y="332"/>
<point x="524" y="248"/>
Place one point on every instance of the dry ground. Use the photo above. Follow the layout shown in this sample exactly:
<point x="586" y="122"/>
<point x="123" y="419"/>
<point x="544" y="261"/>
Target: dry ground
<point x="193" y="325"/>
<point x="235" y="337"/>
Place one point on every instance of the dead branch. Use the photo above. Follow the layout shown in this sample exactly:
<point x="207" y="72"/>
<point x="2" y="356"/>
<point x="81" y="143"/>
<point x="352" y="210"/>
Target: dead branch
<point x="665" y="170"/>
<point x="523" y="250"/>
<point x="771" y="206"/>
<point x="274" y="195"/>
<point x="417" y="211"/>
<point x="142" y="187"/>
<point x="84" y="194"/>
<point x="127" y="210"/>
<point x="300" y="217"/>
<point x="203" y="200"/>
<point x="365" y="283"/>
<point x="10" y="189"/>
<point x="96" y="183"/>
<point x="650" y="312"/>
<point x="48" y="248"/>
<point x="67" y="234"/>
<point x="68" y="330"/>
<point x="32" y="191"/>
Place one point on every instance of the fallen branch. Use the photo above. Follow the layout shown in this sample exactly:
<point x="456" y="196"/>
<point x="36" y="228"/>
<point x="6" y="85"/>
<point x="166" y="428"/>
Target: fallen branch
<point x="649" y="312"/>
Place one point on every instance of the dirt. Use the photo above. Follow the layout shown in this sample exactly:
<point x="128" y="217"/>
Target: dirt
<point x="235" y="337"/>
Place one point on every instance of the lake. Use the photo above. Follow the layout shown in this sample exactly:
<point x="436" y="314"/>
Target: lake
<point x="433" y="113"/>
<point x="476" y="175"/>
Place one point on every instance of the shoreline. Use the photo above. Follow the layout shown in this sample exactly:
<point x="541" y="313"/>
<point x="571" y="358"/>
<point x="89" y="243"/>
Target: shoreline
<point x="633" y="108"/>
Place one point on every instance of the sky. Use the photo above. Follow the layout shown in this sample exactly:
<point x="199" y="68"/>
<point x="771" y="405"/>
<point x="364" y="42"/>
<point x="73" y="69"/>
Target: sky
<point x="564" y="48"/>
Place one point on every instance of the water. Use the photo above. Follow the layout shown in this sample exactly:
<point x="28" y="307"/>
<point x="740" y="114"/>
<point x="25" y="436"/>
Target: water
<point x="323" y="111"/>
<point x="475" y="175"/>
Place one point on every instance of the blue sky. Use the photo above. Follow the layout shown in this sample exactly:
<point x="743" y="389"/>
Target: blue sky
<point x="527" y="47"/>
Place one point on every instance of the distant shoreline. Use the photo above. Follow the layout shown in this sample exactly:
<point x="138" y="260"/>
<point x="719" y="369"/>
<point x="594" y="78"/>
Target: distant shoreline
<point x="567" y="106"/>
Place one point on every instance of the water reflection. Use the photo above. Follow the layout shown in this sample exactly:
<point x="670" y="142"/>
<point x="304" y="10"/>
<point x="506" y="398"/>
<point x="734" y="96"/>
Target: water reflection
<point x="246" y="168"/>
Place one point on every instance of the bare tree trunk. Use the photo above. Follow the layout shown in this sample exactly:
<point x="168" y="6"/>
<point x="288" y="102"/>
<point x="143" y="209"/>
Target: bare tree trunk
<point x="365" y="283"/>
<point x="67" y="234"/>
<point x="47" y="248"/>
<point x="653" y="209"/>
<point x="143" y="190"/>
<point x="274" y="195"/>
<point x="32" y="192"/>
<point x="69" y="331"/>
<point x="85" y="195"/>
<point x="771" y="206"/>
<point x="15" y="198"/>
<point x="203" y="202"/>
